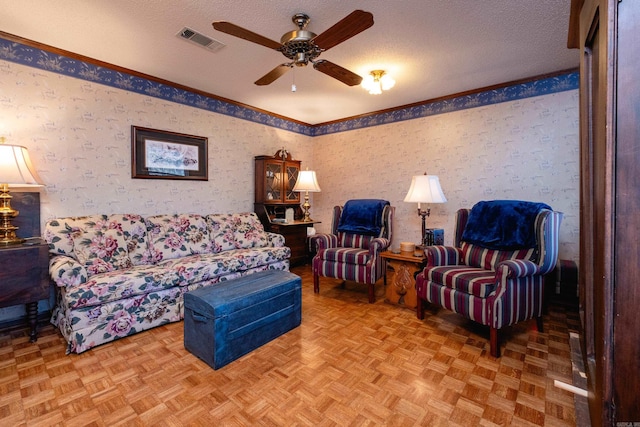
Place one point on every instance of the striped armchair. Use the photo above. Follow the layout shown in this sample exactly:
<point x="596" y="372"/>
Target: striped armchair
<point x="353" y="256"/>
<point x="494" y="287"/>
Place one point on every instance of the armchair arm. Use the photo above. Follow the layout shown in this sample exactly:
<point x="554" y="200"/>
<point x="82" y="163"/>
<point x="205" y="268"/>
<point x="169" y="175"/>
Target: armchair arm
<point x="378" y="245"/>
<point x="518" y="294"/>
<point x="443" y="255"/>
<point x="275" y="240"/>
<point x="66" y="271"/>
<point x="520" y="268"/>
<point x="324" y="241"/>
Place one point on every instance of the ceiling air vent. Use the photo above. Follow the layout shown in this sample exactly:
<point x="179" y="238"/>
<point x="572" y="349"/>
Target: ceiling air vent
<point x="200" y="39"/>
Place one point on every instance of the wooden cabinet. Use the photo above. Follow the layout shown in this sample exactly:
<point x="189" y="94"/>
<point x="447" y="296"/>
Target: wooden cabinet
<point x="275" y="178"/>
<point x="24" y="278"/>
<point x="606" y="32"/>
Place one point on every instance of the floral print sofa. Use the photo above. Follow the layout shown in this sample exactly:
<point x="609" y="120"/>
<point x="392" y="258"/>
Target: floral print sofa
<point x="117" y="275"/>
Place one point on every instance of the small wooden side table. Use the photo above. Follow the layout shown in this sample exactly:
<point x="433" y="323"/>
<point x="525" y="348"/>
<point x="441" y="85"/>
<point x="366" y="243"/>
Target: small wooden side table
<point x="295" y="237"/>
<point x="402" y="289"/>
<point x="24" y="278"/>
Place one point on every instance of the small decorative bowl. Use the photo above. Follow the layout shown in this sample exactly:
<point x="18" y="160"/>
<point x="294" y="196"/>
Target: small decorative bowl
<point x="407" y="247"/>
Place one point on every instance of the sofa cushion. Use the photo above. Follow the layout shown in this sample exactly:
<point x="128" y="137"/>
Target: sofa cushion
<point x="475" y="281"/>
<point x="141" y="280"/>
<point x="221" y="232"/>
<point x="175" y="236"/>
<point x="250" y="258"/>
<point x="61" y="233"/>
<point x="118" y="284"/>
<point x="176" y="272"/>
<point x="201" y="267"/>
<point x="477" y="256"/>
<point x="101" y="251"/>
<point x="248" y="231"/>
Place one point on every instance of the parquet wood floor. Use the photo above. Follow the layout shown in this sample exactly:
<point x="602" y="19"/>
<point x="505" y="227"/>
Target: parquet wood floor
<point x="350" y="363"/>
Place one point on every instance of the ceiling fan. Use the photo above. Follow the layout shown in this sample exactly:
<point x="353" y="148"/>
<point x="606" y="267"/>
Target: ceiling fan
<point x="302" y="46"/>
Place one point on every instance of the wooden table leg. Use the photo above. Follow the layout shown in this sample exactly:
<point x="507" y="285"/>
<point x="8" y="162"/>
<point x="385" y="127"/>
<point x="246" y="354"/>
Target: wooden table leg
<point x="32" y="319"/>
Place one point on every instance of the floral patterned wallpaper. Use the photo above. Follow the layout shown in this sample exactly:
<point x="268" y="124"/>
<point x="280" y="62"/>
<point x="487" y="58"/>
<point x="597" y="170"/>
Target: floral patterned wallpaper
<point x="78" y="133"/>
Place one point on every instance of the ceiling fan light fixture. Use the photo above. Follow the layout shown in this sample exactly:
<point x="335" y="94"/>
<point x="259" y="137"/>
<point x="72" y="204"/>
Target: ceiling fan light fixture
<point x="387" y="82"/>
<point x="377" y="81"/>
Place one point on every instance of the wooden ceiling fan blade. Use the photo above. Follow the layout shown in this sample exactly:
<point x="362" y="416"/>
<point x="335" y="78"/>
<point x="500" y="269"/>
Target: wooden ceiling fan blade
<point x="236" y="31"/>
<point x="337" y="72"/>
<point x="273" y="75"/>
<point x="354" y="23"/>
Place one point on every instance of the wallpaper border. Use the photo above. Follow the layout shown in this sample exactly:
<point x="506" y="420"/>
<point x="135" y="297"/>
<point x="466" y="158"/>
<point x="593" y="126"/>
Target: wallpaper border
<point x="33" y="57"/>
<point x="544" y="86"/>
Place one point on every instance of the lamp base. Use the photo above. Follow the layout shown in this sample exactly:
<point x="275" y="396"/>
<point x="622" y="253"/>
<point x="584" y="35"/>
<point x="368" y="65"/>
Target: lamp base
<point x="305" y="208"/>
<point x="10" y="239"/>
<point x="7" y="230"/>
<point x="424" y="214"/>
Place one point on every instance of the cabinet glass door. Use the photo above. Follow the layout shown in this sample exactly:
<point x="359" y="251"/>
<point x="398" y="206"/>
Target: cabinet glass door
<point x="292" y="177"/>
<point x="273" y="182"/>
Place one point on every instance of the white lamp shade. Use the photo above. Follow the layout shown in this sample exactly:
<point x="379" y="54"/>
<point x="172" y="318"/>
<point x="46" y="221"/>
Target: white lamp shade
<point x="16" y="168"/>
<point x="425" y="189"/>
<point x="307" y="181"/>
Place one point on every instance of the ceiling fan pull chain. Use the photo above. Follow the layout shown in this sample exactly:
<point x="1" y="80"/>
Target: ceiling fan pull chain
<point x="293" y="81"/>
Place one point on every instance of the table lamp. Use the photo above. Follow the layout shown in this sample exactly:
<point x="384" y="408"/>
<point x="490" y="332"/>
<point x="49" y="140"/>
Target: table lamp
<point x="16" y="170"/>
<point x="307" y="182"/>
<point x="425" y="189"/>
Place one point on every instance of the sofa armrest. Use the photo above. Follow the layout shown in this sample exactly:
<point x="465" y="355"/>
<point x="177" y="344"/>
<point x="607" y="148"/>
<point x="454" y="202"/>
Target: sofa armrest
<point x="66" y="271"/>
<point x="324" y="241"/>
<point x="275" y="240"/>
<point x="443" y="255"/>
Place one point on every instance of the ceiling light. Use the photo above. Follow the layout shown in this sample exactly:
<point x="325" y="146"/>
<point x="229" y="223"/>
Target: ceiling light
<point x="377" y="81"/>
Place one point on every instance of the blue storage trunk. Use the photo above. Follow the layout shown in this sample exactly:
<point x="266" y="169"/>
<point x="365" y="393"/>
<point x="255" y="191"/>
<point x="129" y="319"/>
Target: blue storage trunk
<point x="227" y="320"/>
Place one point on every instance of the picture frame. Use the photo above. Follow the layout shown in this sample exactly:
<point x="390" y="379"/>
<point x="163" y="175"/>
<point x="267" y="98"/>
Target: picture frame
<point x="158" y="154"/>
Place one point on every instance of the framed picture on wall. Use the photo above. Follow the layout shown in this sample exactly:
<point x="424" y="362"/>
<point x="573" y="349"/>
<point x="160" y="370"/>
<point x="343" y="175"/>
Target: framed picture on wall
<point x="158" y="154"/>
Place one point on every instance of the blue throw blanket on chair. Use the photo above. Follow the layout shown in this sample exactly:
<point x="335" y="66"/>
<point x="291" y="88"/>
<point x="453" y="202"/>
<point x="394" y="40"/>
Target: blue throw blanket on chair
<point x="362" y="216"/>
<point x="503" y="224"/>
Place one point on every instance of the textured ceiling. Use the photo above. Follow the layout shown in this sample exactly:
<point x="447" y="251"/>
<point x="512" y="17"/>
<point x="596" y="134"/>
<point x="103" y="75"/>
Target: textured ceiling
<point x="432" y="48"/>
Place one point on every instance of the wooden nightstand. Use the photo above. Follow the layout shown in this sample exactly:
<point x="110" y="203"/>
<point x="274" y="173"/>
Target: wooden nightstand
<point x="24" y="278"/>
<point x="402" y="289"/>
